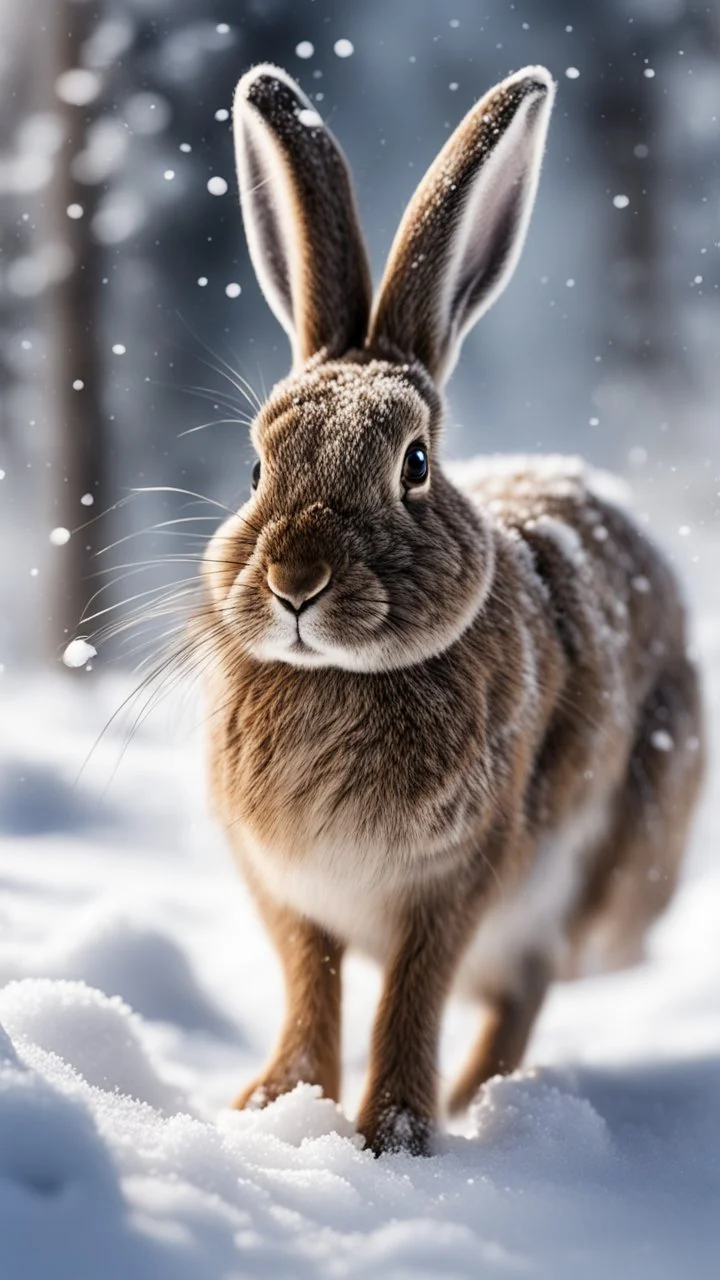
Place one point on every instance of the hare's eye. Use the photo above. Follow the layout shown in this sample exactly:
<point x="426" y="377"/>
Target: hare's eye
<point x="256" y="475"/>
<point x="416" y="465"/>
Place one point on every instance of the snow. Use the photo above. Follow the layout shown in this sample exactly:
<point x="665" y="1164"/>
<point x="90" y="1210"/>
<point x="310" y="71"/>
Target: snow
<point x="78" y="653"/>
<point x="309" y="118"/>
<point x="139" y="995"/>
<point x="78" y="87"/>
<point x="217" y="186"/>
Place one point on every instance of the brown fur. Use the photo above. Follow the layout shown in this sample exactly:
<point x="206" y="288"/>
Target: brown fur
<point x="449" y="755"/>
<point x="308" y="1047"/>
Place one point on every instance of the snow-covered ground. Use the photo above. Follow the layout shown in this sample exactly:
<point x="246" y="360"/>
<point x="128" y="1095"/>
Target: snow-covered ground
<point x="139" y="993"/>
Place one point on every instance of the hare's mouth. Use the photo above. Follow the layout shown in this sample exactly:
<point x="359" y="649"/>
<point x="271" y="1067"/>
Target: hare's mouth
<point x="300" y="646"/>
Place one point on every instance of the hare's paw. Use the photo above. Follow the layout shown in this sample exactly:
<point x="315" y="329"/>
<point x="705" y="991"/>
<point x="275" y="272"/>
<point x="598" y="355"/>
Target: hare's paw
<point x="258" y="1094"/>
<point x="266" y="1088"/>
<point x="395" y="1127"/>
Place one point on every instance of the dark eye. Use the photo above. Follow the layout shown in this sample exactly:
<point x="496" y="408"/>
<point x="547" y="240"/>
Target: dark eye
<point x="416" y="465"/>
<point x="256" y="475"/>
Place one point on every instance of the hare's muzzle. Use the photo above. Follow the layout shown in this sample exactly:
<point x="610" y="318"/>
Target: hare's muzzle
<point x="298" y="586"/>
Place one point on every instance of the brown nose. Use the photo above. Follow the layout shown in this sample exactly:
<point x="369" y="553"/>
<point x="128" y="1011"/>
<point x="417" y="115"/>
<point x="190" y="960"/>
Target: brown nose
<point x="298" y="587"/>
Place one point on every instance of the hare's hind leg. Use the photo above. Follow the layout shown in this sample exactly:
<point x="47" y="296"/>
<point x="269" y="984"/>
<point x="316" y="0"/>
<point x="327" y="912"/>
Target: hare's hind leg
<point x="631" y="876"/>
<point x="634" y="872"/>
<point x="507" y="1023"/>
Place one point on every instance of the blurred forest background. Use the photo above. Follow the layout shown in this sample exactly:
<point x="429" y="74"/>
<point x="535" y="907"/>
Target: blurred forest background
<point x="125" y="284"/>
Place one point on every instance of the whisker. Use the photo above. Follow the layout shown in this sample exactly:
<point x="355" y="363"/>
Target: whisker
<point x="235" y="379"/>
<point x="222" y="399"/>
<point x="215" y="422"/>
<point x="188" y="493"/>
<point x="153" y="528"/>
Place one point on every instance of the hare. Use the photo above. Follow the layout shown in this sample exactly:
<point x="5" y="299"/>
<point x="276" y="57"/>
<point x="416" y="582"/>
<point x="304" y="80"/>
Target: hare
<point x="454" y="724"/>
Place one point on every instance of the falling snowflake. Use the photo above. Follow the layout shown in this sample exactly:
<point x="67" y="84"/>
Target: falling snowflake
<point x="79" y="652"/>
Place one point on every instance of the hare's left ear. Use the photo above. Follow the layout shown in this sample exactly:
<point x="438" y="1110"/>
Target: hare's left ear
<point x="460" y="239"/>
<point x="300" y="217"/>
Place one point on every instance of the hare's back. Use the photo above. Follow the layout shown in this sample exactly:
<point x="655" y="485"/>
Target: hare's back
<point x="606" y="591"/>
<point x="573" y="523"/>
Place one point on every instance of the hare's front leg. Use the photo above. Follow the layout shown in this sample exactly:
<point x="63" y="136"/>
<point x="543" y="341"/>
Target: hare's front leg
<point x="308" y="1049"/>
<point x="399" y="1109"/>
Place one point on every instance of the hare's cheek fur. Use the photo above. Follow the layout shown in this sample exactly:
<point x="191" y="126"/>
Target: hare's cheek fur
<point x="431" y="572"/>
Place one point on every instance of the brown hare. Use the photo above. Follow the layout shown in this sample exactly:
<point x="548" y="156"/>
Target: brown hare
<point x="454" y="724"/>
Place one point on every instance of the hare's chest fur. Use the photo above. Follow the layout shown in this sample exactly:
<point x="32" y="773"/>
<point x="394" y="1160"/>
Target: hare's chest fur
<point x="346" y="888"/>
<point x="345" y="804"/>
<point x="354" y="891"/>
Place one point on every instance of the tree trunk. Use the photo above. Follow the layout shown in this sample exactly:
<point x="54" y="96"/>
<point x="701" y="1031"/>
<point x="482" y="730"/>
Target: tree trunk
<point x="73" y="331"/>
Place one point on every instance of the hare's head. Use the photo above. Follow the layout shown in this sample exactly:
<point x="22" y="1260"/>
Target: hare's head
<point x="354" y="550"/>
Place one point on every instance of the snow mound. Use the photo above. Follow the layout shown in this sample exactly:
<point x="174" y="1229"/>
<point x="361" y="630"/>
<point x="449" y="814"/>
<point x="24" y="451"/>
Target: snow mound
<point x="572" y="1167"/>
<point x="138" y="961"/>
<point x="98" y="1036"/>
<point x="125" y="957"/>
<point x="561" y="1131"/>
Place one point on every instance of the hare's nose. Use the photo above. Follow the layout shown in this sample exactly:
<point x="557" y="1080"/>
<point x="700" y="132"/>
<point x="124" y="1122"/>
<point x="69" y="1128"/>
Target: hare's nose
<point x="298" y="587"/>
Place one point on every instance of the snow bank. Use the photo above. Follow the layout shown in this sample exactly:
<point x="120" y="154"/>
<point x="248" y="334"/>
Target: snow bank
<point x="103" y="1171"/>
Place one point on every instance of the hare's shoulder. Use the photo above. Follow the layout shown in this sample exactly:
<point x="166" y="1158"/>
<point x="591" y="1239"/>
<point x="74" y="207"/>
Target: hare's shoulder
<point x="569" y="529"/>
<point x="571" y="515"/>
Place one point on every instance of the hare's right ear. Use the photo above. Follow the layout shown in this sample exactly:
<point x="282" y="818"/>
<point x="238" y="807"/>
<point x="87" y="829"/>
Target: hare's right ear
<point x="460" y="239"/>
<point x="299" y="214"/>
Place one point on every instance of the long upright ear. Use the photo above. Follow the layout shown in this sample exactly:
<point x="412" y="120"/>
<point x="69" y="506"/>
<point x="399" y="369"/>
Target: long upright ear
<point x="461" y="236"/>
<point x="300" y="217"/>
